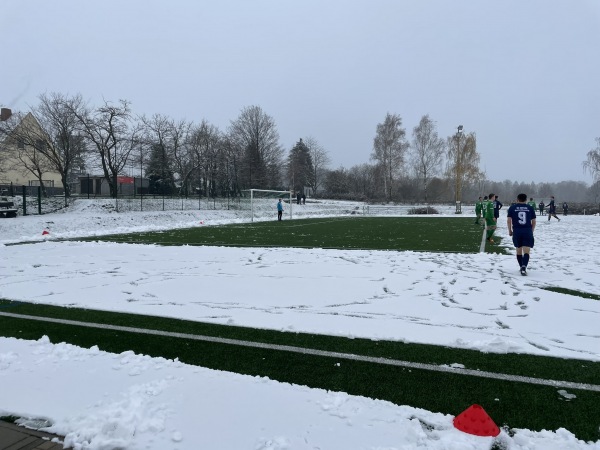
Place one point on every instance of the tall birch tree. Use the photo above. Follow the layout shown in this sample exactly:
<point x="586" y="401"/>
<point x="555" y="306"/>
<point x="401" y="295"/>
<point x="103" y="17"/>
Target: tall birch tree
<point x="427" y="152"/>
<point x="389" y="148"/>
<point x="463" y="162"/>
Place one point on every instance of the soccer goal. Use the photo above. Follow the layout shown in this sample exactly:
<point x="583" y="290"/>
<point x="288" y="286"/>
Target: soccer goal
<point x="262" y="203"/>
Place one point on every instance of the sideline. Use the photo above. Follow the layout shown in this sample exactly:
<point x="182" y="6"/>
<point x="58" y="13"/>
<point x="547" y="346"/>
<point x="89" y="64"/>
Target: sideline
<point x="313" y="352"/>
<point x="482" y="246"/>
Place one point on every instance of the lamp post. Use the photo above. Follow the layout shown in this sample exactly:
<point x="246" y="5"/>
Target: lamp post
<point x="458" y="170"/>
<point x="141" y="179"/>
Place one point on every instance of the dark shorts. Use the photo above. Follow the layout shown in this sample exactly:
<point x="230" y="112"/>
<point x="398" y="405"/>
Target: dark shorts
<point x="523" y="238"/>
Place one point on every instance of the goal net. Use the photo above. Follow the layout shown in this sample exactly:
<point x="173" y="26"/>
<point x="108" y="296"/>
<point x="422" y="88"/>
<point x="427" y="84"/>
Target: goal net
<point x="262" y="203"/>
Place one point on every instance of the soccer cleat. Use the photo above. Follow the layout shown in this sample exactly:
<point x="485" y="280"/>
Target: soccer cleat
<point x="523" y="270"/>
<point x="490" y="240"/>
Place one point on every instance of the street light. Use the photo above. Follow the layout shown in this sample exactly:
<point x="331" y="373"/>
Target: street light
<point x="458" y="170"/>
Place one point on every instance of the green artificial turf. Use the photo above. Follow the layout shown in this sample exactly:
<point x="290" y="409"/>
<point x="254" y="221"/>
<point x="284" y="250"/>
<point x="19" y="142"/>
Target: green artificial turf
<point x="571" y="292"/>
<point x="426" y="234"/>
<point x="517" y="405"/>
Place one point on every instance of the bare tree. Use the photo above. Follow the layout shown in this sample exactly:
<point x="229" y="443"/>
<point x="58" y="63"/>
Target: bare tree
<point x="389" y="147"/>
<point x="169" y="149"/>
<point x="207" y="147"/>
<point x="463" y="161"/>
<point x="337" y="183"/>
<point x="427" y="152"/>
<point x="48" y="136"/>
<point x="231" y="157"/>
<point x="113" y="135"/>
<point x="362" y="181"/>
<point x="320" y="161"/>
<point x="255" y="134"/>
<point x="592" y="164"/>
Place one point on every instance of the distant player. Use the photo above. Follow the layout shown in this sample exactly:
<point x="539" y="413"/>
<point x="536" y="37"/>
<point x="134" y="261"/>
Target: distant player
<point x="552" y="210"/>
<point x="497" y="207"/>
<point x="521" y="224"/>
<point x="478" y="209"/>
<point x="279" y="209"/>
<point x="490" y="220"/>
<point x="532" y="203"/>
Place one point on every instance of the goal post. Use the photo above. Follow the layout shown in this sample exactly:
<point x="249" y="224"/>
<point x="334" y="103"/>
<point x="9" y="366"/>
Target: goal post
<point x="263" y="202"/>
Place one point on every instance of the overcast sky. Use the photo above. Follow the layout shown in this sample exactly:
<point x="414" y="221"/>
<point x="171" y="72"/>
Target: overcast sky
<point x="523" y="75"/>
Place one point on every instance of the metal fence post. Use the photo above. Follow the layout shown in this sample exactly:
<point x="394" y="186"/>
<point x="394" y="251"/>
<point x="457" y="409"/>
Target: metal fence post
<point x="24" y="202"/>
<point x="39" y="196"/>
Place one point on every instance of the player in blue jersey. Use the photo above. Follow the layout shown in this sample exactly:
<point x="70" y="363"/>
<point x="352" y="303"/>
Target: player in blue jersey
<point x="521" y="224"/>
<point x="497" y="207"/>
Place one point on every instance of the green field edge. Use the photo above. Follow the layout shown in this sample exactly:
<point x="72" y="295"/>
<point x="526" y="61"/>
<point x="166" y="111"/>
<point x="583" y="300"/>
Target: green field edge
<point x="433" y="234"/>
<point x="521" y="364"/>
<point x="510" y="404"/>
<point x="561" y="290"/>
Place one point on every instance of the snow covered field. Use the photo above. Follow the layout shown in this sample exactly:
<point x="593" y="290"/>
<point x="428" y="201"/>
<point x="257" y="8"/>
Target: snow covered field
<point x="136" y="402"/>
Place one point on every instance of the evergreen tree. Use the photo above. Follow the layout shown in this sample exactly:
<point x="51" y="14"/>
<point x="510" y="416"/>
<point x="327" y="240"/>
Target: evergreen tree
<point x="159" y="172"/>
<point x="300" y="167"/>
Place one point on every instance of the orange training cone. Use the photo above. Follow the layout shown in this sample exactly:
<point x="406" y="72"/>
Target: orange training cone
<point x="474" y="420"/>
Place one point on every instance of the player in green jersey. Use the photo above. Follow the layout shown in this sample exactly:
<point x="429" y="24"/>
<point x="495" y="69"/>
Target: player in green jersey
<point x="490" y="220"/>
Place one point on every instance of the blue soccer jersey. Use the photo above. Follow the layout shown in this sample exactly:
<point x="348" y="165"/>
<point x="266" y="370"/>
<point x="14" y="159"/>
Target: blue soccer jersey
<point x="521" y="215"/>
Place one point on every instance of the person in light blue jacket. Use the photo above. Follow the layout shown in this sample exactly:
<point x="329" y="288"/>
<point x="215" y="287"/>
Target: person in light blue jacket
<point x="279" y="209"/>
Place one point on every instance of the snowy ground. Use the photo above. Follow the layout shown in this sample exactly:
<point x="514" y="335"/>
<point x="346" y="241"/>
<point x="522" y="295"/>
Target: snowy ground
<point x="136" y="402"/>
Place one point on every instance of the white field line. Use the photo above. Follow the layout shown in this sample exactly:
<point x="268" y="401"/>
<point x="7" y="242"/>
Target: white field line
<point x="482" y="246"/>
<point x="308" y="351"/>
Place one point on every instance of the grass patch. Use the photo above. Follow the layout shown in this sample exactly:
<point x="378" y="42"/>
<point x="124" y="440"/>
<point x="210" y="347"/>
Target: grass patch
<point x="427" y="234"/>
<point x="517" y="405"/>
<point x="9" y="419"/>
<point x="571" y="292"/>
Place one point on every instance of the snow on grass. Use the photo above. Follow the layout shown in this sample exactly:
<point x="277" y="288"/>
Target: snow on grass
<point x="99" y="400"/>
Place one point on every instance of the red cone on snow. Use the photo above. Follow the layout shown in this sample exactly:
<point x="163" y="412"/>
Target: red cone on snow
<point x="474" y="420"/>
<point x="45" y="232"/>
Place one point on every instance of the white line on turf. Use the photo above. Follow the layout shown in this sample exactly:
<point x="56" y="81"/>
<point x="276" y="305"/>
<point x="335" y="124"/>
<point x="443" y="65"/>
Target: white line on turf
<point x="314" y="352"/>
<point x="482" y="246"/>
